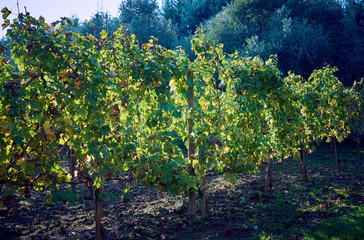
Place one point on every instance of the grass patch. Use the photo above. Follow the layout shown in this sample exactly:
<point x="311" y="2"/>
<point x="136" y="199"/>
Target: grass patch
<point x="350" y="226"/>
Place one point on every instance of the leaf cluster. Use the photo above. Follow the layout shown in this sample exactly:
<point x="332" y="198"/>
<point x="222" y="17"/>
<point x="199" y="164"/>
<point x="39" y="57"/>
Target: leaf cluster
<point x="122" y="108"/>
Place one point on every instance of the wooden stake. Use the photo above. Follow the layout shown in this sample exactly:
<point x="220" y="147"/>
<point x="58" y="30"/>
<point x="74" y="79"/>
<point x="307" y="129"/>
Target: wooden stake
<point x="337" y="160"/>
<point x="98" y="213"/>
<point x="204" y="205"/>
<point x="358" y="145"/>
<point x="191" y="149"/>
<point x="268" y="177"/>
<point x="303" y="165"/>
<point x="72" y="168"/>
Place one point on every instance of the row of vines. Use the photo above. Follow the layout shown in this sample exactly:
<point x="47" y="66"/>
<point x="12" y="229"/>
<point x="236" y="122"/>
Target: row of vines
<point x="143" y="114"/>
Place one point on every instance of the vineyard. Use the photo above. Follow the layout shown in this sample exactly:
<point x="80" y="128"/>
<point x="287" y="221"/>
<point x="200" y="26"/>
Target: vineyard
<point x="111" y="115"/>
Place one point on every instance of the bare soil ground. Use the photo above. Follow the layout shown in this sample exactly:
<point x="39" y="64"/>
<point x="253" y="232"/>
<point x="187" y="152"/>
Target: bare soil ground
<point x="329" y="205"/>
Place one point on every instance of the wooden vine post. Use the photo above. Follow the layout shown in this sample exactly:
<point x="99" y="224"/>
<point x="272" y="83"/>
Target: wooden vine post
<point x="357" y="138"/>
<point x="99" y="233"/>
<point x="303" y="164"/>
<point x="268" y="177"/>
<point x="204" y="205"/>
<point x="72" y="169"/>
<point x="202" y="192"/>
<point x="191" y="146"/>
<point x="337" y="160"/>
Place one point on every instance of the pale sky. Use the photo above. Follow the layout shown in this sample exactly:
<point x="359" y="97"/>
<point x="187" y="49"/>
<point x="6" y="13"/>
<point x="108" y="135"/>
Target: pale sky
<point x="52" y="10"/>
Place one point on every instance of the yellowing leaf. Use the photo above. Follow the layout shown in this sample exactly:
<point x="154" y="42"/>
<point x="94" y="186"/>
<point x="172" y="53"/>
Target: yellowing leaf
<point x="68" y="123"/>
<point x="89" y="158"/>
<point x="21" y="162"/>
<point x="68" y="177"/>
<point x="6" y="12"/>
<point x="5" y="128"/>
<point x="48" y="181"/>
<point x="49" y="130"/>
<point x="69" y="132"/>
<point x="5" y="24"/>
<point x="103" y="34"/>
<point x="69" y="126"/>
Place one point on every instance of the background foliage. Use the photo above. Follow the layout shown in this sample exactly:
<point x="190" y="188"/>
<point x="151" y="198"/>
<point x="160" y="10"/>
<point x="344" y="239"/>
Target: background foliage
<point x="304" y="34"/>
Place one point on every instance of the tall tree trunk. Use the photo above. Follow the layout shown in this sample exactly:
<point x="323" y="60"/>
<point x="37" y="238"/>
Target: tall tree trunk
<point x="191" y="150"/>
<point x="337" y="160"/>
<point x="303" y="165"/>
<point x="268" y="177"/>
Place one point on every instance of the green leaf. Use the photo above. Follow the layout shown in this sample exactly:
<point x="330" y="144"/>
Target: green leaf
<point x="19" y="140"/>
<point x="105" y="130"/>
<point x="173" y="188"/>
<point x="91" y="98"/>
<point x="103" y="34"/>
<point x="98" y="183"/>
<point x="104" y="170"/>
<point x="95" y="62"/>
<point x="102" y="196"/>
<point x="6" y="12"/>
<point x="69" y="21"/>
<point x="177" y="114"/>
<point x="5" y="24"/>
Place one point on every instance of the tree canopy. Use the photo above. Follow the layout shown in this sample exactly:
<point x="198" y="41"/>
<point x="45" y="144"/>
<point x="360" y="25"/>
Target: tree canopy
<point x="303" y="34"/>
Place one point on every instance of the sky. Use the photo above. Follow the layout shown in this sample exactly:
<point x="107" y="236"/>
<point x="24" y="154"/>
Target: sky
<point x="52" y="10"/>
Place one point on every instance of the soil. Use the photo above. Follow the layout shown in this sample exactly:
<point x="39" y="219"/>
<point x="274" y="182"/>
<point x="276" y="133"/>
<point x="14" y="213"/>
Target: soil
<point x="294" y="210"/>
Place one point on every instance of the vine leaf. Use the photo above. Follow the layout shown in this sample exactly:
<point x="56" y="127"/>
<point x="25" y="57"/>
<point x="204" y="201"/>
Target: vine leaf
<point x="6" y="12"/>
<point x="43" y="134"/>
<point x="103" y="34"/>
<point x="50" y="131"/>
<point x="5" y="24"/>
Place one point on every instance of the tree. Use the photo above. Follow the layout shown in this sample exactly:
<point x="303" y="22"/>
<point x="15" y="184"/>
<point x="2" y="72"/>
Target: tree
<point x="101" y="21"/>
<point x="305" y="48"/>
<point x="98" y="22"/>
<point x="187" y="15"/>
<point x="350" y="43"/>
<point x="147" y="10"/>
<point x="239" y="21"/>
<point x="227" y="30"/>
<point x="356" y="110"/>
<point x="326" y="13"/>
<point x="170" y="10"/>
<point x="142" y="18"/>
<point x="264" y="28"/>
